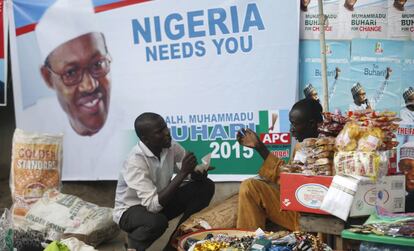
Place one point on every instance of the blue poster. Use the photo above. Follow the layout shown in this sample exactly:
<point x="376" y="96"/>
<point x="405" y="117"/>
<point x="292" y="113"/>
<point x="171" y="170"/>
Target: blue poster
<point x="310" y="74"/>
<point x="376" y="66"/>
<point x="407" y="81"/>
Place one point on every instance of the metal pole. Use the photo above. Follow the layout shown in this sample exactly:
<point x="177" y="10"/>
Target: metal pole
<point x="322" y="20"/>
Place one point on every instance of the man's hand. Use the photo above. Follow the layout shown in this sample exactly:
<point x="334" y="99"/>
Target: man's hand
<point x="368" y="105"/>
<point x="189" y="163"/>
<point x="337" y="71"/>
<point x="249" y="139"/>
<point x="201" y="175"/>
<point x="274" y="119"/>
<point x="387" y="76"/>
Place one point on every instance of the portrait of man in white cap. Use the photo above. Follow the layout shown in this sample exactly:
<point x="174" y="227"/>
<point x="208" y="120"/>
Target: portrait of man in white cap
<point x="406" y="165"/>
<point x="407" y="113"/>
<point x="310" y="92"/>
<point x="349" y="4"/>
<point x="76" y="63"/>
<point x="304" y="5"/>
<point x="399" y="4"/>
<point x="360" y="99"/>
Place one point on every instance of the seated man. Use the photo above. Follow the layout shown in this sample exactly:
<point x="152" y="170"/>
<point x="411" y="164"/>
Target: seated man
<point x="259" y="199"/>
<point x="146" y="197"/>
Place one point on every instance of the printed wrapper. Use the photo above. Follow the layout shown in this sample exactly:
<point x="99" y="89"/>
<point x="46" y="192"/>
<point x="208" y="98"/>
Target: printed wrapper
<point x="367" y="164"/>
<point x="36" y="166"/>
<point x="313" y="157"/>
<point x="347" y="140"/>
<point x="205" y="164"/>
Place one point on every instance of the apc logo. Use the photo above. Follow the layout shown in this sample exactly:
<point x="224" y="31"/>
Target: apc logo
<point x="275" y="138"/>
<point x="328" y="50"/>
<point x="378" y="48"/>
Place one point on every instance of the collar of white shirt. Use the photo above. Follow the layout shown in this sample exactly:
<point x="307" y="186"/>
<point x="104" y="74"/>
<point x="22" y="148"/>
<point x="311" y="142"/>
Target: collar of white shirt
<point x="147" y="152"/>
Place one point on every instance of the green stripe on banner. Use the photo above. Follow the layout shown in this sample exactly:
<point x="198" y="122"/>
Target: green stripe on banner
<point x="263" y="122"/>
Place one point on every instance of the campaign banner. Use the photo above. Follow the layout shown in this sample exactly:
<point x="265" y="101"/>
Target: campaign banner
<point x="3" y="54"/>
<point x="400" y="19"/>
<point x="363" y="19"/>
<point x="407" y="81"/>
<point x="216" y="133"/>
<point x="376" y="67"/>
<point x="405" y="133"/>
<point x="309" y="19"/>
<point x="405" y="138"/>
<point x="89" y="68"/>
<point x="310" y="72"/>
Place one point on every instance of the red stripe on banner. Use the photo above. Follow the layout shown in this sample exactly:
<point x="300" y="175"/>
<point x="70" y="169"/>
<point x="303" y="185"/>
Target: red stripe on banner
<point x="25" y="29"/>
<point x="30" y="27"/>
<point x="118" y="5"/>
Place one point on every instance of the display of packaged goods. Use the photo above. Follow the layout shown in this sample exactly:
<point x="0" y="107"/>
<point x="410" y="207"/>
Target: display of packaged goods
<point x="332" y="124"/>
<point x="313" y="157"/>
<point x="367" y="164"/>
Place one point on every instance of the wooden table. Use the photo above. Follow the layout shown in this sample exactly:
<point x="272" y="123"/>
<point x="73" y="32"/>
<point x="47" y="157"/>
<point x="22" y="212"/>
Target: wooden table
<point x="328" y="227"/>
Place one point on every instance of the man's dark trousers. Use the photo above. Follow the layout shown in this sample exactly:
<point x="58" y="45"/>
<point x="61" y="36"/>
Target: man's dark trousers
<point x="144" y="227"/>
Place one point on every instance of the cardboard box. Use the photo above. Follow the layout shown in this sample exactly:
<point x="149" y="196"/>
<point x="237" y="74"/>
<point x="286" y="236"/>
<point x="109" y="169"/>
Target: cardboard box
<point x="303" y="193"/>
<point x="388" y="192"/>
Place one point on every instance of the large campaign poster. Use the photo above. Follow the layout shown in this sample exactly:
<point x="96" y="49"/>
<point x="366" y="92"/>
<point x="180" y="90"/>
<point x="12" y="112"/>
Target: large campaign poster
<point x="310" y="74"/>
<point x="208" y="67"/>
<point x="309" y="19"/>
<point x="349" y="19"/>
<point x="400" y="19"/>
<point x="376" y="66"/>
<point x="407" y="83"/>
<point x="405" y="133"/>
<point x="362" y="19"/>
<point x="3" y="54"/>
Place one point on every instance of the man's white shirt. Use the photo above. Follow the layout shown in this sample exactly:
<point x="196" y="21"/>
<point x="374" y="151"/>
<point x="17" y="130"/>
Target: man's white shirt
<point x="406" y="115"/>
<point x="143" y="175"/>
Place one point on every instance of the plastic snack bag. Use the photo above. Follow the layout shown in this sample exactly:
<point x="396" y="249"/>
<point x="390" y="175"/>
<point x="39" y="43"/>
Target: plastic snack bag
<point x="205" y="164"/>
<point x="371" y="139"/>
<point x="6" y="231"/>
<point x="36" y="166"/>
<point x="347" y="138"/>
<point x="367" y="164"/>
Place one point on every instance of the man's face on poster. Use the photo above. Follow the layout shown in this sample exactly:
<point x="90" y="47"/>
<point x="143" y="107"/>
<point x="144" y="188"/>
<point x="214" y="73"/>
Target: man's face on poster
<point x="360" y="98"/>
<point x="314" y="95"/>
<point x="399" y="4"/>
<point x="349" y="4"/>
<point x="409" y="103"/>
<point x="304" y="4"/>
<point x="407" y="167"/>
<point x="78" y="71"/>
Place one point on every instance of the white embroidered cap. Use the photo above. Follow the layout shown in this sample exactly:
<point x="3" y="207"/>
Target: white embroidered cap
<point x="64" y="20"/>
<point x="407" y="150"/>
<point x="356" y="88"/>
<point x="308" y="90"/>
<point x="407" y="93"/>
